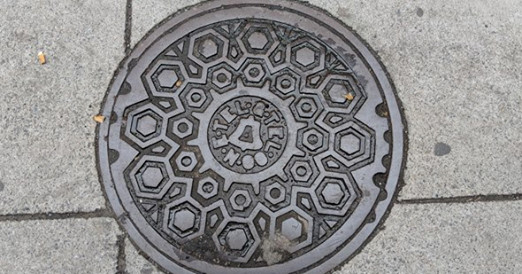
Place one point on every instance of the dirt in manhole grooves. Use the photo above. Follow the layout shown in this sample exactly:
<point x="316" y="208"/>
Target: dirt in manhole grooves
<point x="250" y="137"/>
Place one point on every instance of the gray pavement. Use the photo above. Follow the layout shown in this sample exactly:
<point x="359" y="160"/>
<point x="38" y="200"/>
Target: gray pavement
<point x="456" y="67"/>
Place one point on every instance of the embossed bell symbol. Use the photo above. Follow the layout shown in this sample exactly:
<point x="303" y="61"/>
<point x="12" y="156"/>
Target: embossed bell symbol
<point x="247" y="135"/>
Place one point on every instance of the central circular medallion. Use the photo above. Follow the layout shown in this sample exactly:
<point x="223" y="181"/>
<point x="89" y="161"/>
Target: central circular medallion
<point x="247" y="134"/>
<point x="250" y="137"/>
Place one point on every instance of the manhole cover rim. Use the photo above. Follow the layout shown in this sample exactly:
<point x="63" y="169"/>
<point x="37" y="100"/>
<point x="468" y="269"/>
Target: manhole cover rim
<point x="397" y="128"/>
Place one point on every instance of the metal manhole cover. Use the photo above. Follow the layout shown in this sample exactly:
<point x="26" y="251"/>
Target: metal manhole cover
<point x="250" y="137"/>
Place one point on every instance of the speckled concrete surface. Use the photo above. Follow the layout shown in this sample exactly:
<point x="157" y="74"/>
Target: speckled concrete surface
<point x="456" y="67"/>
<point x="445" y="238"/>
<point x="46" y="150"/>
<point x="59" y="246"/>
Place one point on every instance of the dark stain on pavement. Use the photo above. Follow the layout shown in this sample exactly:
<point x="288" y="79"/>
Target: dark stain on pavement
<point x="441" y="149"/>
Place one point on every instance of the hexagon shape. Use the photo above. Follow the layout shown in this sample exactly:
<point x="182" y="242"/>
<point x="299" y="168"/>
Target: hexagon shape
<point x="186" y="161"/>
<point x="350" y="143"/>
<point x="301" y="171"/>
<point x="337" y="92"/>
<point x="240" y="199"/>
<point x="165" y="78"/>
<point x="208" y="48"/>
<point x="182" y="219"/>
<point x="196" y="97"/>
<point x="151" y="175"/>
<point x="286" y="82"/>
<point x="355" y="143"/>
<point x="182" y="127"/>
<point x="237" y="240"/>
<point x="306" y="107"/>
<point x="258" y="40"/>
<point x="335" y="193"/>
<point x="292" y="228"/>
<point x="305" y="56"/>
<point x="275" y="193"/>
<point x="297" y="226"/>
<point x="151" y="178"/>
<point x="313" y="139"/>
<point x="254" y="72"/>
<point x="222" y="77"/>
<point x="144" y="126"/>
<point x="208" y="187"/>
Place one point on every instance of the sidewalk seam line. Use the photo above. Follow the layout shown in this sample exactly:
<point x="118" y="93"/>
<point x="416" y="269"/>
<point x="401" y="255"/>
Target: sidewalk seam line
<point x="464" y="199"/>
<point x="121" y="266"/>
<point x="100" y="213"/>
<point x="128" y="27"/>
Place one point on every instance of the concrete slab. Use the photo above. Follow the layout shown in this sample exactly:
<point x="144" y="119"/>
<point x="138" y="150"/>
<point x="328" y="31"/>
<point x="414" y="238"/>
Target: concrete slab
<point x="46" y="154"/>
<point x="429" y="238"/>
<point x="456" y="66"/>
<point x="146" y="14"/>
<point x="135" y="263"/>
<point x="445" y="238"/>
<point x="59" y="246"/>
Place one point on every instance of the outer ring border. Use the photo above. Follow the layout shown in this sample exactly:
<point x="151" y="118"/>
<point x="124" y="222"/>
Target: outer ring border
<point x="395" y="178"/>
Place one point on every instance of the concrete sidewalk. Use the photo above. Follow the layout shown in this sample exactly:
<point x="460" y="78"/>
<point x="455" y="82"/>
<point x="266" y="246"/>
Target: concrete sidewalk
<point x="456" y="66"/>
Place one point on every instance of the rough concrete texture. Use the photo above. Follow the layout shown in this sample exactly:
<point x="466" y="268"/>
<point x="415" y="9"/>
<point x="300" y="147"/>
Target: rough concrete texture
<point x="59" y="246"/>
<point x="146" y="14"/>
<point x="47" y="161"/>
<point x="456" y="66"/>
<point x="429" y="238"/>
<point x="136" y="263"/>
<point x="445" y="238"/>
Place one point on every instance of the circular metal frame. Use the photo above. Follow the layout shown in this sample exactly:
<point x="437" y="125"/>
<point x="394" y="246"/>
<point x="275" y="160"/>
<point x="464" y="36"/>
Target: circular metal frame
<point x="336" y="249"/>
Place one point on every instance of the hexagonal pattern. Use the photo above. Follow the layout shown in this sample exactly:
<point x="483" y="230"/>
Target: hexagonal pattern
<point x="315" y="139"/>
<point x="145" y="125"/>
<point x="237" y="240"/>
<point x="286" y="83"/>
<point x="258" y="40"/>
<point x="182" y="127"/>
<point x="301" y="171"/>
<point x="151" y="178"/>
<point x="186" y="161"/>
<point x="196" y="97"/>
<point x="254" y="72"/>
<point x="240" y="199"/>
<point x="275" y="193"/>
<point x="344" y="93"/>
<point x="182" y="219"/>
<point x="297" y="226"/>
<point x="208" y="187"/>
<point x="355" y="143"/>
<point x="245" y="130"/>
<point x="208" y="47"/>
<point x="305" y="56"/>
<point x="335" y="193"/>
<point x="166" y="77"/>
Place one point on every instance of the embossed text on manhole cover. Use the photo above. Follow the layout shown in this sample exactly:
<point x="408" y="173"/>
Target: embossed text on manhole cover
<point x="250" y="137"/>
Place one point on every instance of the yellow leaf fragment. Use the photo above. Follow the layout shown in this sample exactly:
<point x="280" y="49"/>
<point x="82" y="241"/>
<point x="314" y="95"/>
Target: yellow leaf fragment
<point x="178" y="83"/>
<point x="349" y="96"/>
<point x="41" y="58"/>
<point x="99" y="118"/>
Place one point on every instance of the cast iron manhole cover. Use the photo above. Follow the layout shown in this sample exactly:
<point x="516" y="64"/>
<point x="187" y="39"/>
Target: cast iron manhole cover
<point x="250" y="137"/>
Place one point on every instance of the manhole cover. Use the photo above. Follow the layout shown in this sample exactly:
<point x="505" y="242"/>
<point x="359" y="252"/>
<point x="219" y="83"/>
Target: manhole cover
<point x="250" y="137"/>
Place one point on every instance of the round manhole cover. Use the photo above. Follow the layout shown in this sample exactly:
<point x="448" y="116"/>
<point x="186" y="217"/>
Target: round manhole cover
<point x="250" y="137"/>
